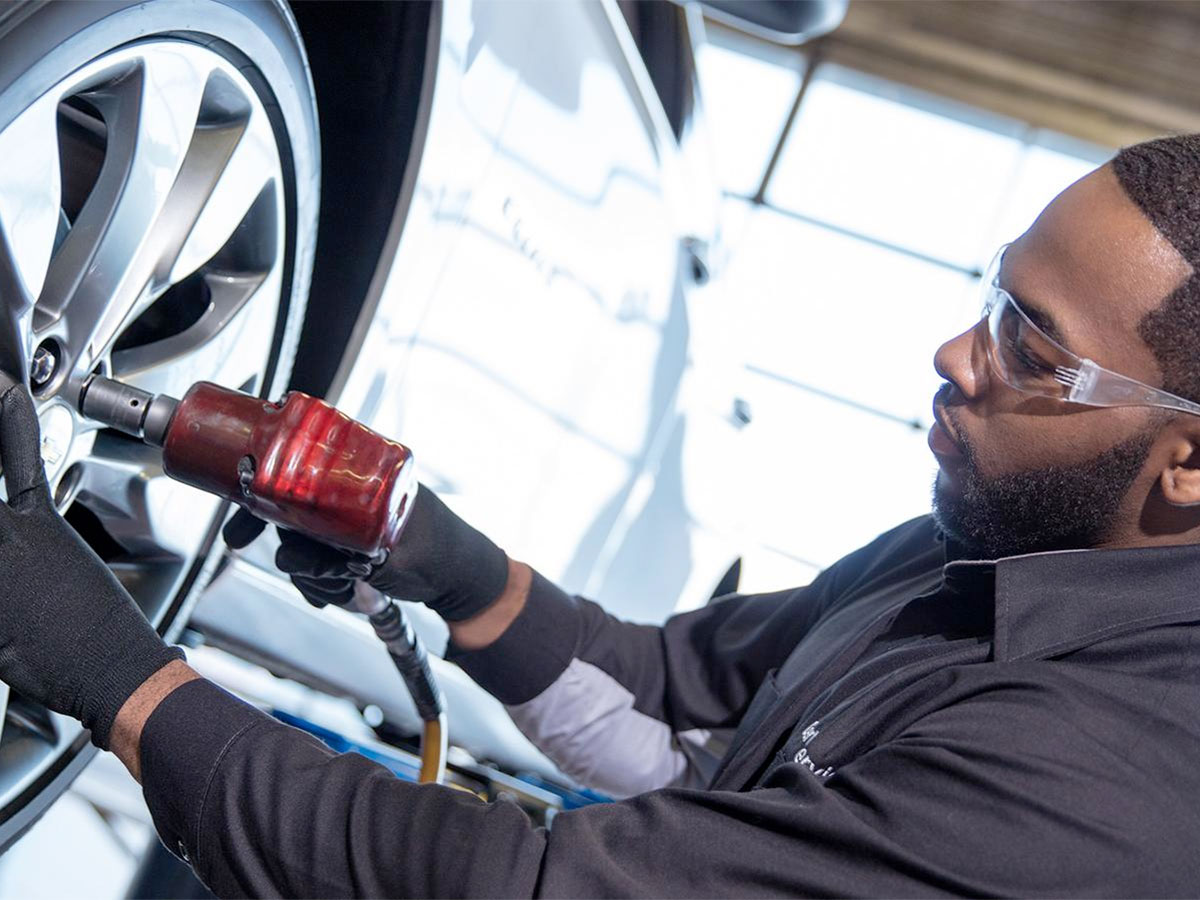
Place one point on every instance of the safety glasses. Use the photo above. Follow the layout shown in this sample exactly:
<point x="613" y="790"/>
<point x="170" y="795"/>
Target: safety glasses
<point x="1028" y="359"/>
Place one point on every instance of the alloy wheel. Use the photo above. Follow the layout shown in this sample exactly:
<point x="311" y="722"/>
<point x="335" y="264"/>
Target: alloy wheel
<point x="142" y="235"/>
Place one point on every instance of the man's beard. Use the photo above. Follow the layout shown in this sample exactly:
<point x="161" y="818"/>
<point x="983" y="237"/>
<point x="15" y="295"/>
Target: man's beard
<point x="1053" y="508"/>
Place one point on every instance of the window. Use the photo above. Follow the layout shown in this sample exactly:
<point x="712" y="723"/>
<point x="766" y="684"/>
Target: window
<point x="747" y="101"/>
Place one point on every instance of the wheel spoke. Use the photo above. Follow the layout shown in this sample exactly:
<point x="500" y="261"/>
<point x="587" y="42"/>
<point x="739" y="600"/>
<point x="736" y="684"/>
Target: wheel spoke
<point x="30" y="189"/>
<point x="172" y="128"/>
<point x="227" y="294"/>
<point x="147" y="579"/>
<point x="220" y="128"/>
<point x="29" y="717"/>
<point x="209" y="349"/>
<point x="230" y="255"/>
<point x="147" y="514"/>
<point x="236" y="186"/>
<point x="146" y="142"/>
<point x="29" y="202"/>
<point x="15" y="311"/>
<point x="109" y="487"/>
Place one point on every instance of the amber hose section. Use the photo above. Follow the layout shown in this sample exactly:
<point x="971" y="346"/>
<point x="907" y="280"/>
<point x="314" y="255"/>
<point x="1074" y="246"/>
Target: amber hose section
<point x="433" y="751"/>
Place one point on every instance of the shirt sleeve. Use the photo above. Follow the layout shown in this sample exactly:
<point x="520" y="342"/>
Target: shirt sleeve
<point x="585" y="686"/>
<point x="260" y="809"/>
<point x="968" y="802"/>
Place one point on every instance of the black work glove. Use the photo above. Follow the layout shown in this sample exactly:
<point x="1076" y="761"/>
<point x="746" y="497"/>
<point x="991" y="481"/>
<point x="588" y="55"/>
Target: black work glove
<point x="440" y="561"/>
<point x="71" y="637"/>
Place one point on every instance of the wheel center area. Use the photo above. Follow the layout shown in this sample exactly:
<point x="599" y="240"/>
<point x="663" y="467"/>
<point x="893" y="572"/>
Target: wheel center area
<point x="58" y="433"/>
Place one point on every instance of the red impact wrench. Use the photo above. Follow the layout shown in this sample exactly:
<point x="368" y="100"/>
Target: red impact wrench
<point x="301" y="464"/>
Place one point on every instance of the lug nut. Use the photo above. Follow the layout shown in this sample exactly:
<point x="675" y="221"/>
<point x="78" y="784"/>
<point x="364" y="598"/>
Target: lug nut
<point x="41" y="369"/>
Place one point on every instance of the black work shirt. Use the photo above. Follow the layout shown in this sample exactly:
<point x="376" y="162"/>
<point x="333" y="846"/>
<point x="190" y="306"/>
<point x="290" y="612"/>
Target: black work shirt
<point x="903" y="726"/>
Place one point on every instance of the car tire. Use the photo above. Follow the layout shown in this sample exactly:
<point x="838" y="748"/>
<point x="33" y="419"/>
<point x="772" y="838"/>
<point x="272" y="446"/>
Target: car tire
<point x="256" y="48"/>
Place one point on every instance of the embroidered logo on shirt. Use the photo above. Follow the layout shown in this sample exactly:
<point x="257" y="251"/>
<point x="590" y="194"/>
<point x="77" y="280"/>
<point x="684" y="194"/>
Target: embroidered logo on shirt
<point x="802" y="757"/>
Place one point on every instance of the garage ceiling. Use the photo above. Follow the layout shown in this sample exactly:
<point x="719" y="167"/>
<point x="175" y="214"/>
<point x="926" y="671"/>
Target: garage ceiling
<point x="1112" y="72"/>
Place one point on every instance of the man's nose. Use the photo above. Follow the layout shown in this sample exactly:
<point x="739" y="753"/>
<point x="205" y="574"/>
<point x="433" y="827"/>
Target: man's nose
<point x="963" y="362"/>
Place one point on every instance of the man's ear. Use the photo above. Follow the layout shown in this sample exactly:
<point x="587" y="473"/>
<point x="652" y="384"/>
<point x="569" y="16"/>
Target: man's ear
<point x="1180" y="480"/>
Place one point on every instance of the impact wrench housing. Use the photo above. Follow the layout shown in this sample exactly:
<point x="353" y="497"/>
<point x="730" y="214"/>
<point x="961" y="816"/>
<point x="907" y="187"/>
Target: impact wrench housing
<point x="298" y="463"/>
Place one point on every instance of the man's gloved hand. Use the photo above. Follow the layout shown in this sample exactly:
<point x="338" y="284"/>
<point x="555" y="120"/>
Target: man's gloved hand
<point x="440" y="561"/>
<point x="71" y="638"/>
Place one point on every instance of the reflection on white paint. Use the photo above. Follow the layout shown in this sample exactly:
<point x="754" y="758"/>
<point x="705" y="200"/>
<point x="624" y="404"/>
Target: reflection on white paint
<point x="525" y="322"/>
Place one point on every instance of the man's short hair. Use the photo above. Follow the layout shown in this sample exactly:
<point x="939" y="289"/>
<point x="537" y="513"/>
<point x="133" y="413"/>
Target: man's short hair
<point x="1163" y="178"/>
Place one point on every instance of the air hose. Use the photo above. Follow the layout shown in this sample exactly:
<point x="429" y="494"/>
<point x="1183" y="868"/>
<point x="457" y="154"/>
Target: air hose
<point x="412" y="662"/>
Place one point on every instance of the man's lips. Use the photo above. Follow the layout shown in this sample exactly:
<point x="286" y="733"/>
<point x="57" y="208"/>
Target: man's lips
<point x="942" y="440"/>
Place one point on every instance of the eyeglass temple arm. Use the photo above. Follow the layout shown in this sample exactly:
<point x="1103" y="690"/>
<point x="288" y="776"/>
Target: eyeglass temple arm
<point x="1098" y="386"/>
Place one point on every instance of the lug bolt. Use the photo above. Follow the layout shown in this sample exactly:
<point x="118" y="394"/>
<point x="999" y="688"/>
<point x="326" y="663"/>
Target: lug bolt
<point x="41" y="369"/>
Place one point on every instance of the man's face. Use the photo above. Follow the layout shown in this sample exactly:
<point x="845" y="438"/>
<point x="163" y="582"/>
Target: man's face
<point x="1020" y="473"/>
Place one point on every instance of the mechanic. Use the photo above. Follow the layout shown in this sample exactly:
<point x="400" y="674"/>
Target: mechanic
<point x="1003" y="698"/>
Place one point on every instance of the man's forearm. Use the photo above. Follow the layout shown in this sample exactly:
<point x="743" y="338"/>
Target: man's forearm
<point x="485" y="627"/>
<point x="127" y="728"/>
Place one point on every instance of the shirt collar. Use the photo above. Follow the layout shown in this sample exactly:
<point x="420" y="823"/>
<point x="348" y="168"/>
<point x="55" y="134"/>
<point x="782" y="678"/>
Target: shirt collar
<point x="1053" y="602"/>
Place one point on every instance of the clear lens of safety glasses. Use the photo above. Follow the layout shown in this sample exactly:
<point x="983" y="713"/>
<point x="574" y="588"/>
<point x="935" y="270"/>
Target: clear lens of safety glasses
<point x="1024" y="355"/>
<point x="1030" y="360"/>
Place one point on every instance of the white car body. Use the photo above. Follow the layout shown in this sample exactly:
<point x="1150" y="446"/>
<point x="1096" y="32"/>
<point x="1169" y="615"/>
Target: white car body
<point x="540" y="339"/>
